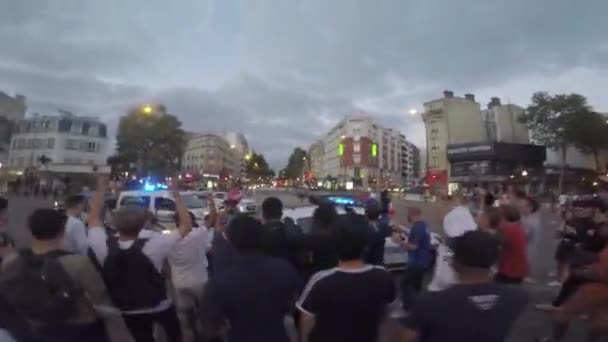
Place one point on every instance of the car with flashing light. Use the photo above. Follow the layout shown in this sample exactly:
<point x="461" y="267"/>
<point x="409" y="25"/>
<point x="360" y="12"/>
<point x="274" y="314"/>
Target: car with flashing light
<point x="246" y="205"/>
<point x="109" y="201"/>
<point x="162" y="204"/>
<point x="395" y="257"/>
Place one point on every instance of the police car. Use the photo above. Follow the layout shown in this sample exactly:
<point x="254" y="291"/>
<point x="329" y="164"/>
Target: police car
<point x="395" y="256"/>
<point x="162" y="204"/>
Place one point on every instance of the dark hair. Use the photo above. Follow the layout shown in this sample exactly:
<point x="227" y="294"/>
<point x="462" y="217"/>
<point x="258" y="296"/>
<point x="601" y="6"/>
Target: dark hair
<point x="532" y="203"/>
<point x="130" y="220"/>
<point x="476" y="249"/>
<point x="192" y="219"/>
<point x="46" y="224"/>
<point x="372" y="210"/>
<point x="74" y="201"/>
<point x="245" y="233"/>
<point x="510" y="213"/>
<point x="351" y="237"/>
<point x="272" y="208"/>
<point x="494" y="216"/>
<point x="3" y="203"/>
<point x="324" y="216"/>
<point x="489" y="199"/>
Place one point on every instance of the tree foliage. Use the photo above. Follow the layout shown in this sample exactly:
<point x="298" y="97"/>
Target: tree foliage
<point x="152" y="139"/>
<point x="558" y="122"/>
<point x="591" y="135"/>
<point x="295" y="164"/>
<point x="257" y="167"/>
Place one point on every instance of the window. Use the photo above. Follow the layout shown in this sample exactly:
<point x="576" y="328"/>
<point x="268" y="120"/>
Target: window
<point x="71" y="144"/>
<point x="90" y="146"/>
<point x="36" y="143"/>
<point x="76" y="128"/>
<point x="137" y="201"/>
<point x="356" y="148"/>
<point x="356" y="158"/>
<point x="161" y="203"/>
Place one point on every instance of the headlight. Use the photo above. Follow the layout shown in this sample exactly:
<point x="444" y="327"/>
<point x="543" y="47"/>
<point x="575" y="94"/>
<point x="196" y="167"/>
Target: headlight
<point x="56" y="203"/>
<point x="166" y="231"/>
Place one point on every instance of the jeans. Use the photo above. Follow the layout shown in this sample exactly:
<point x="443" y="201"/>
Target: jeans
<point x="188" y="302"/>
<point x="141" y="326"/>
<point x="411" y="285"/>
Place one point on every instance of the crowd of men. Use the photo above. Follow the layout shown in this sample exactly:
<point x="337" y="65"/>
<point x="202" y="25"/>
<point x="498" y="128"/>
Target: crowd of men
<point x="118" y="277"/>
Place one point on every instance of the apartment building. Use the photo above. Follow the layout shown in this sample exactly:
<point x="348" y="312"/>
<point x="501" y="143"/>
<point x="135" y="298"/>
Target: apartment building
<point x="211" y="155"/>
<point x="63" y="143"/>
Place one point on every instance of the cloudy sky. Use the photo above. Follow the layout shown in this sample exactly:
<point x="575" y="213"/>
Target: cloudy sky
<point x="284" y="71"/>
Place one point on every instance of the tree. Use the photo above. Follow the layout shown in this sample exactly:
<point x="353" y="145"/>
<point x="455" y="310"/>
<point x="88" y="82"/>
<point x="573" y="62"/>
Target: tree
<point x="591" y="135"/>
<point x="257" y="167"/>
<point x="152" y="138"/>
<point x="7" y="128"/>
<point x="554" y="121"/>
<point x="296" y="164"/>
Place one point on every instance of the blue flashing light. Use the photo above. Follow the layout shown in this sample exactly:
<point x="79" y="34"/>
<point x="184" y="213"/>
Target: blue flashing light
<point x="149" y="187"/>
<point x="342" y="200"/>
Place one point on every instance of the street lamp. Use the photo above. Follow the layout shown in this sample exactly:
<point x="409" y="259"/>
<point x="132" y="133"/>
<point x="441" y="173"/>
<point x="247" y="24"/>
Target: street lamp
<point x="248" y="157"/>
<point x="232" y="147"/>
<point x="343" y="137"/>
<point x="413" y="111"/>
<point x="147" y="109"/>
<point x="524" y="173"/>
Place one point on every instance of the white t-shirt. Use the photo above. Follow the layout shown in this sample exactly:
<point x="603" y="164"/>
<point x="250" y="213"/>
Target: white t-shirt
<point x="188" y="258"/>
<point x="458" y="221"/>
<point x="157" y="249"/>
<point x="75" y="239"/>
<point x="562" y="199"/>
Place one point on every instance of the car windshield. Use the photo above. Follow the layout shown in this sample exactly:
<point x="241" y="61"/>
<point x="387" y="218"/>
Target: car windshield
<point x="220" y="195"/>
<point x="193" y="202"/>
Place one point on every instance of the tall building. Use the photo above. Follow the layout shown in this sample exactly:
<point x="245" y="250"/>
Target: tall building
<point x="68" y="143"/>
<point x="210" y="155"/>
<point x="410" y="164"/>
<point x="502" y="123"/>
<point x="449" y="120"/>
<point x="359" y="152"/>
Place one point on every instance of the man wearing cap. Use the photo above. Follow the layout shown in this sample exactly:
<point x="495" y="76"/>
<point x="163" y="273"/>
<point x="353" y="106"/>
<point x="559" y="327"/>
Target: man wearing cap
<point x="476" y="308"/>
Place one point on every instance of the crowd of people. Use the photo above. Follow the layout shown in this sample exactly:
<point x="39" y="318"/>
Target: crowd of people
<point x="119" y="277"/>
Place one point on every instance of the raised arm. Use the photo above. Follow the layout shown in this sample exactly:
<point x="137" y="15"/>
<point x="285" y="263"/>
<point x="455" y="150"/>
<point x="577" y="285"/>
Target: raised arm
<point x="183" y="216"/>
<point x="97" y="203"/>
<point x="212" y="210"/>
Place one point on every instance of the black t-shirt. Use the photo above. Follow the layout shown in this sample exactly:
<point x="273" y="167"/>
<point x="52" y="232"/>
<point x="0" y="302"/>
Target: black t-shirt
<point x="348" y="305"/>
<point x="463" y="313"/>
<point x="253" y="295"/>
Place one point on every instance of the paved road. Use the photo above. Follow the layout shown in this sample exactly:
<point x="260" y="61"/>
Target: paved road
<point x="531" y="324"/>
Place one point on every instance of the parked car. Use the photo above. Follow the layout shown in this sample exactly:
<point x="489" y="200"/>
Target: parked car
<point x="162" y="204"/>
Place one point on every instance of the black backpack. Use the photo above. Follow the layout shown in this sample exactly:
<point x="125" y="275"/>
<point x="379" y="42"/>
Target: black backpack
<point x="40" y="289"/>
<point x="131" y="278"/>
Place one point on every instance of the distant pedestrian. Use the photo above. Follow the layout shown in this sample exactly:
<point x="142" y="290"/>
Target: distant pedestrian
<point x="75" y="231"/>
<point x="252" y="297"/>
<point x="348" y="302"/>
<point x="532" y="221"/>
<point x="475" y="309"/>
<point x="379" y="230"/>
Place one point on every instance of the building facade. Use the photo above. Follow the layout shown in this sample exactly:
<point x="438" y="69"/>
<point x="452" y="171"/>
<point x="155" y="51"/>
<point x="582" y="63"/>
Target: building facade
<point x="410" y="164"/>
<point x="238" y="143"/>
<point x="211" y="155"/>
<point x="63" y="143"/>
<point x="358" y="152"/>
<point x="12" y="110"/>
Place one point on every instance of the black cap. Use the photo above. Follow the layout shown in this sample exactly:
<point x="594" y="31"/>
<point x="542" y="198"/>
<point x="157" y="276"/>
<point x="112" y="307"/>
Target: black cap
<point x="476" y="249"/>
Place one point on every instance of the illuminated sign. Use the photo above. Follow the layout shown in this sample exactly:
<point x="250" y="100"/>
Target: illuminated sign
<point x="374" y="150"/>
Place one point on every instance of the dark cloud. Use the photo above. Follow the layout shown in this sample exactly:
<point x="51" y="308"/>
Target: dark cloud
<point x="284" y="71"/>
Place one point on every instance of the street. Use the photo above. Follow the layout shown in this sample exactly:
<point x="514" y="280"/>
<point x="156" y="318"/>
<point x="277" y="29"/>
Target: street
<point x="530" y="325"/>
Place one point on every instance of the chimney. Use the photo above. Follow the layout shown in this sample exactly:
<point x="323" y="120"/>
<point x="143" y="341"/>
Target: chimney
<point x="495" y="101"/>
<point x="448" y="93"/>
<point x="470" y="97"/>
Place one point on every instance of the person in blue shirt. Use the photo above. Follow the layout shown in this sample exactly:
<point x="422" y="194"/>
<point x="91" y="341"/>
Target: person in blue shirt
<point x="419" y="257"/>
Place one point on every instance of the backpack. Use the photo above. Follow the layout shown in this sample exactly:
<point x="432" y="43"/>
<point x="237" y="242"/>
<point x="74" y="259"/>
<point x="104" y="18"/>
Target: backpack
<point x="131" y="278"/>
<point x="40" y="289"/>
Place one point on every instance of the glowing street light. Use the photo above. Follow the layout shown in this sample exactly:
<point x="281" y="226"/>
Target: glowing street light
<point x="594" y="183"/>
<point x="248" y="157"/>
<point x="343" y="137"/>
<point x="524" y="173"/>
<point x="413" y="111"/>
<point x="147" y="109"/>
<point x="232" y="147"/>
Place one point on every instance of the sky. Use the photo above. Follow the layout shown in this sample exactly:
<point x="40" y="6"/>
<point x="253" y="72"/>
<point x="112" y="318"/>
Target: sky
<point x="283" y="72"/>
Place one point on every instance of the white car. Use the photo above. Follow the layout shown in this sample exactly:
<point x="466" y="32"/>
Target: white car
<point x="162" y="204"/>
<point x="395" y="256"/>
<point x="247" y="206"/>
